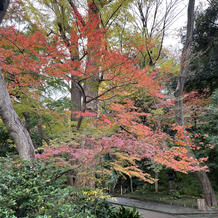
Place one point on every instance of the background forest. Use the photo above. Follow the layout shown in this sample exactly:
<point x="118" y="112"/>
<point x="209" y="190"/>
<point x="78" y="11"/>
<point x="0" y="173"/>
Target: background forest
<point x="93" y="103"/>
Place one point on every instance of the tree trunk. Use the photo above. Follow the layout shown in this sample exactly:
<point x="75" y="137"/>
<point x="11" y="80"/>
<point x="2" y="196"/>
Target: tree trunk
<point x="14" y="125"/>
<point x="208" y="192"/>
<point x="156" y="187"/>
<point x="75" y="100"/>
<point x="92" y="83"/>
<point x="91" y="91"/>
<point x="131" y="185"/>
<point x="9" y="117"/>
<point x="201" y="204"/>
<point x="207" y="189"/>
<point x="184" y="62"/>
<point x="171" y="179"/>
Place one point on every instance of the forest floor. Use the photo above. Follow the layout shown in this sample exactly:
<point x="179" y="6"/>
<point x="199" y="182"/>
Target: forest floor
<point x="150" y="209"/>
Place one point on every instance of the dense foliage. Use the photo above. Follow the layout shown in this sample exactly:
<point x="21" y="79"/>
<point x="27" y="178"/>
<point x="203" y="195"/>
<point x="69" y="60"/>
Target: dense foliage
<point x="90" y="88"/>
<point x="38" y="191"/>
<point x="204" y="60"/>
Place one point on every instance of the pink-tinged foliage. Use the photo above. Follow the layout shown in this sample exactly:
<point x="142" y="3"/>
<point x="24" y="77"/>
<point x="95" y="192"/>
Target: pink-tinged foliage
<point x="52" y="57"/>
<point x="85" y="114"/>
<point x="134" y="139"/>
<point x="83" y="155"/>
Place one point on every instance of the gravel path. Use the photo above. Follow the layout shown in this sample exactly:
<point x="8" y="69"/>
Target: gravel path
<point x="150" y="209"/>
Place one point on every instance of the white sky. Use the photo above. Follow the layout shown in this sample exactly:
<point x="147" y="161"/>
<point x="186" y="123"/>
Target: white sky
<point x="173" y="39"/>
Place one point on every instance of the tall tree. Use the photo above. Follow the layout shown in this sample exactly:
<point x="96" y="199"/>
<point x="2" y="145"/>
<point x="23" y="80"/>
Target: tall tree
<point x="154" y="20"/>
<point x="207" y="189"/>
<point x="9" y="116"/>
<point x="204" y="56"/>
<point x="67" y="18"/>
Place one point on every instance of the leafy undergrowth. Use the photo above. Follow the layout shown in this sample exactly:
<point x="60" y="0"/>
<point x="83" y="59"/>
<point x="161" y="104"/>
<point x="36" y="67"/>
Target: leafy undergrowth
<point x="173" y="198"/>
<point x="38" y="191"/>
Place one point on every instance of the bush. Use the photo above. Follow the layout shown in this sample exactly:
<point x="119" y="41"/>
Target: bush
<point x="38" y="191"/>
<point x="127" y="213"/>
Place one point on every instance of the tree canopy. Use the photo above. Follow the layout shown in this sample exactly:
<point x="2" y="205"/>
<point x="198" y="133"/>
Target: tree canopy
<point x="84" y="84"/>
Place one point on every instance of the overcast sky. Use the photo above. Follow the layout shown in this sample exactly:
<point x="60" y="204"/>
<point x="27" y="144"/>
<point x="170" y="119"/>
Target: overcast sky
<point x="173" y="39"/>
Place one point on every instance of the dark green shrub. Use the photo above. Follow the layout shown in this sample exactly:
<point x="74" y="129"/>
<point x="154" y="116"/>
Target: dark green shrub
<point x="38" y="191"/>
<point x="6" y="143"/>
<point x="26" y="189"/>
<point x="127" y="213"/>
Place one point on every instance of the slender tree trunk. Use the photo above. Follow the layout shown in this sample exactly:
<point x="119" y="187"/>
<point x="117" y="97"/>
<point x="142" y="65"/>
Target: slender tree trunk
<point x="14" y="125"/>
<point x="156" y="182"/>
<point x="207" y="189"/>
<point x="131" y="185"/>
<point x="184" y="62"/>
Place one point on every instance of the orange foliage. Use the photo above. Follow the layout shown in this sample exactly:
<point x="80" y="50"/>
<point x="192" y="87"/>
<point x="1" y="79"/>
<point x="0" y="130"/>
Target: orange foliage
<point x="28" y="60"/>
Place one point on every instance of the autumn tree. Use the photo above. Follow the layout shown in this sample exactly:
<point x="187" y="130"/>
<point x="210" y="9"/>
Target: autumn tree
<point x="207" y="189"/>
<point x="153" y="19"/>
<point x="82" y="54"/>
<point x="95" y="19"/>
<point x="202" y="80"/>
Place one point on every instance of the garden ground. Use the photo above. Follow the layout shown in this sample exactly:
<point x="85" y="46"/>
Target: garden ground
<point x="149" y="209"/>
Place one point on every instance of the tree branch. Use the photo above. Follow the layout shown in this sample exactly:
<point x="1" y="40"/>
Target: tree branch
<point x="114" y="12"/>
<point x="76" y="12"/>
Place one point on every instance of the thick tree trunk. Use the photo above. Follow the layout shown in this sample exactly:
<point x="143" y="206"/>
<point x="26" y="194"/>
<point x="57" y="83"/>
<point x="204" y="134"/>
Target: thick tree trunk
<point x="10" y="118"/>
<point x="75" y="100"/>
<point x="14" y="125"/>
<point x="92" y="84"/>
<point x="207" y="189"/>
<point x="208" y="192"/>
<point x="91" y="91"/>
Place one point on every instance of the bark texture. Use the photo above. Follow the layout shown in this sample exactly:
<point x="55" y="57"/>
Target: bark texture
<point x="92" y="83"/>
<point x="75" y="99"/>
<point x="91" y="91"/>
<point x="14" y="125"/>
<point x="207" y="189"/>
<point x="184" y="62"/>
<point x="9" y="116"/>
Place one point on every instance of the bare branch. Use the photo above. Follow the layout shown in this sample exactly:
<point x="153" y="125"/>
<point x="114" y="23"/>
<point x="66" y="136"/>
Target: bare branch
<point x="113" y="13"/>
